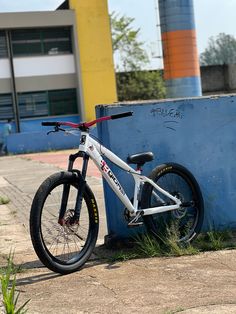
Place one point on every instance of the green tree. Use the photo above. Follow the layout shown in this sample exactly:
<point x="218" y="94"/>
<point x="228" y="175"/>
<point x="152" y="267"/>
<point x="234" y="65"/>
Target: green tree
<point x="126" y="45"/>
<point x="221" y="50"/>
<point x="140" y="85"/>
<point x="132" y="82"/>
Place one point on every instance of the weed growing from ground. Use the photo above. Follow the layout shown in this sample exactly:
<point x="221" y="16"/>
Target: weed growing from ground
<point x="123" y="255"/>
<point x="215" y="240"/>
<point x="166" y="245"/>
<point x="8" y="286"/>
<point x="147" y="246"/>
<point x="4" y="200"/>
<point x="156" y="246"/>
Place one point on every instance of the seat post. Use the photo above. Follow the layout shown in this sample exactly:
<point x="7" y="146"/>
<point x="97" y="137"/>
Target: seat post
<point x="139" y="168"/>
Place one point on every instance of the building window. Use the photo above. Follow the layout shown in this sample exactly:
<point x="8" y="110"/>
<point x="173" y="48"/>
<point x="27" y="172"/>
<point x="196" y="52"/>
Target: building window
<point x="47" y="103"/>
<point x="6" y="107"/>
<point x="45" y="41"/>
<point x="3" y="45"/>
<point x="33" y="104"/>
<point x="57" y="40"/>
<point x="62" y="102"/>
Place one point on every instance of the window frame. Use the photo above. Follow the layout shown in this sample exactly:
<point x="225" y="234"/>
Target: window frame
<point x="53" y="104"/>
<point x="22" y="45"/>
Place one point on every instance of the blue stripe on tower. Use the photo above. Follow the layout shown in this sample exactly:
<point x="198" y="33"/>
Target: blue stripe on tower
<point x="184" y="87"/>
<point x="176" y="15"/>
<point x="181" y="64"/>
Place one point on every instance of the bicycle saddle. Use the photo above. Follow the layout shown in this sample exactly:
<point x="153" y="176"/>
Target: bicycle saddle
<point x="140" y="158"/>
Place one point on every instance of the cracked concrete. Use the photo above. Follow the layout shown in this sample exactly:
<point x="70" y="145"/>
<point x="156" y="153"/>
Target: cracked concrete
<point x="204" y="283"/>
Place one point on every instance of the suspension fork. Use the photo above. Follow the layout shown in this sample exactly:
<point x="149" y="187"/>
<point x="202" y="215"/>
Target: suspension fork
<point x="66" y="188"/>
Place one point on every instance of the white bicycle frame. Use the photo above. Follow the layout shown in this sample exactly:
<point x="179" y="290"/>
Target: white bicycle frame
<point x="96" y="151"/>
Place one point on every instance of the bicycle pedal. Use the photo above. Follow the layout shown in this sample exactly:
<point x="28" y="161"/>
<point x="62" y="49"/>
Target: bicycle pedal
<point x="135" y="224"/>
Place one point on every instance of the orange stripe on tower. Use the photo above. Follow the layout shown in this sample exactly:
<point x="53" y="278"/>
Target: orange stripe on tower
<point x="180" y="54"/>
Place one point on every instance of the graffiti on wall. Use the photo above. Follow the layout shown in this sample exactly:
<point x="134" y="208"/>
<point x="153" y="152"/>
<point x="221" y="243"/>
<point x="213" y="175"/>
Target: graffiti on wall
<point x="171" y="116"/>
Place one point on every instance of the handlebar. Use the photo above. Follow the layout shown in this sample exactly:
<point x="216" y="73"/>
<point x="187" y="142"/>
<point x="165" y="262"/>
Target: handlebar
<point x="121" y="115"/>
<point x="50" y="123"/>
<point x="87" y="125"/>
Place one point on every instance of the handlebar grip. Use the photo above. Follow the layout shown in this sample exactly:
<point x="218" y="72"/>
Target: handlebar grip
<point x="122" y="115"/>
<point x="50" y="123"/>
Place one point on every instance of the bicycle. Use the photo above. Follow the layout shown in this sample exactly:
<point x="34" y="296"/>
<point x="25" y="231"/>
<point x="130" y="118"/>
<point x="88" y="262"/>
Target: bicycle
<point x="64" y="218"/>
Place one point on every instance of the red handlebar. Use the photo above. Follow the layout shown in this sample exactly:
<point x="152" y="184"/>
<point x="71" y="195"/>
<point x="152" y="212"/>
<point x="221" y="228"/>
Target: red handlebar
<point x="87" y="125"/>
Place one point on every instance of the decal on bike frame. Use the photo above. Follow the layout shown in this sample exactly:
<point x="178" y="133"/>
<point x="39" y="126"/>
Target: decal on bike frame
<point x="83" y="140"/>
<point x="105" y="168"/>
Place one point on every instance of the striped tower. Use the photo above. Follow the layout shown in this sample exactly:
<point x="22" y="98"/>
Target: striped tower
<point x="181" y="63"/>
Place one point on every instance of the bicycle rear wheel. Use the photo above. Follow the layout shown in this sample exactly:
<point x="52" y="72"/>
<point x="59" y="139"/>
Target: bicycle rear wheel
<point x="184" y="223"/>
<point x="63" y="248"/>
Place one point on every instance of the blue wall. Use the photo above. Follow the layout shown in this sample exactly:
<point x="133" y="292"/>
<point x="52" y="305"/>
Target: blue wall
<point x="34" y="125"/>
<point x="199" y="133"/>
<point x="33" y="136"/>
<point x="30" y="142"/>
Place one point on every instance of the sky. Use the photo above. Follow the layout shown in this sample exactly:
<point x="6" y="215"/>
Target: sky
<point x="211" y="18"/>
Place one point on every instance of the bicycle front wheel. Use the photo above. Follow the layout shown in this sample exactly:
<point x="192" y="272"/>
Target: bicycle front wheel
<point x="184" y="223"/>
<point x="63" y="247"/>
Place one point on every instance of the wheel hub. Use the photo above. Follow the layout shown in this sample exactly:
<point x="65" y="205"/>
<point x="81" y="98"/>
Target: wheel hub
<point x="68" y="223"/>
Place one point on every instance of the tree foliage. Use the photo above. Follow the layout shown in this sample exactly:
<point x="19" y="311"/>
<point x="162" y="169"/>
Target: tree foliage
<point x="126" y="45"/>
<point x="140" y="85"/>
<point x="132" y="82"/>
<point x="221" y="50"/>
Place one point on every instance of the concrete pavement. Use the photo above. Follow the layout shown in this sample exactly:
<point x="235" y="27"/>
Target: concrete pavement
<point x="25" y="173"/>
<point x="204" y="283"/>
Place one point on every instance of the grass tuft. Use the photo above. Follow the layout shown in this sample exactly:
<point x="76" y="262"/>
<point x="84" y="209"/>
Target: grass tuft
<point x="167" y="244"/>
<point x="4" y="200"/>
<point x="163" y="245"/>
<point x="215" y="240"/>
<point x="148" y="246"/>
<point x="123" y="256"/>
<point x="8" y="286"/>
